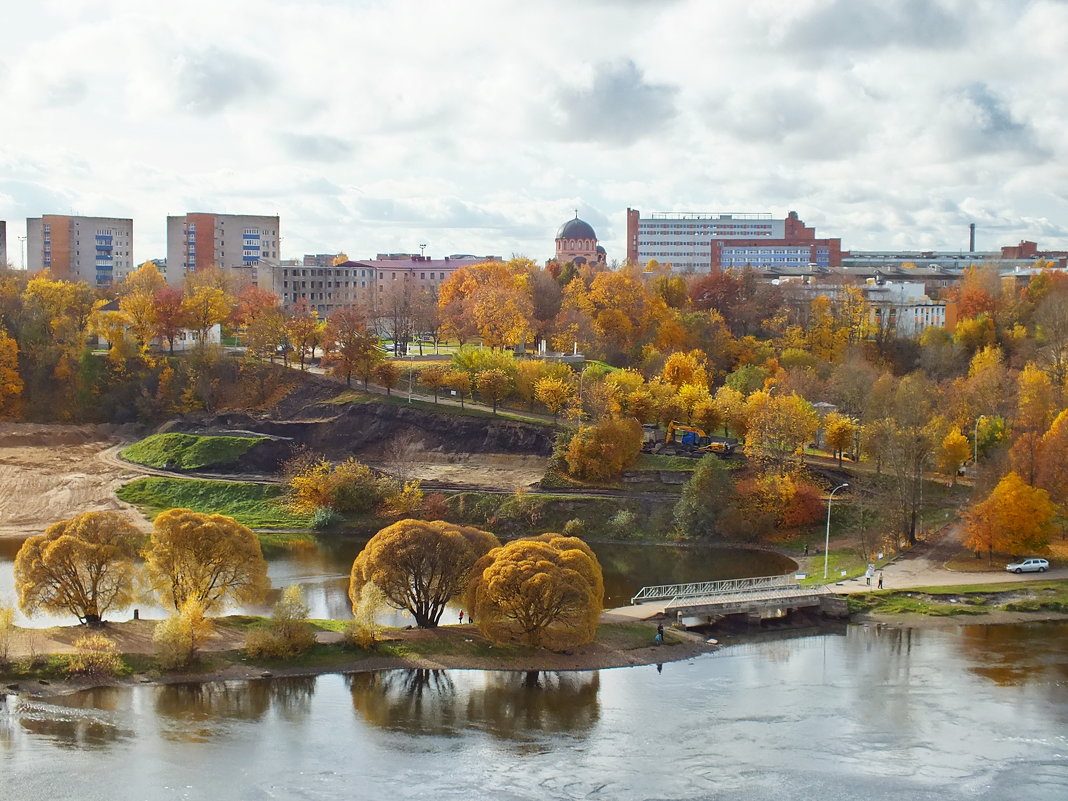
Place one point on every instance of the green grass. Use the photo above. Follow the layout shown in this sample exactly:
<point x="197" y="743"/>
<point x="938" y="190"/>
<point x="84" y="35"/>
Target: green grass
<point x="252" y="505"/>
<point x="188" y="451"/>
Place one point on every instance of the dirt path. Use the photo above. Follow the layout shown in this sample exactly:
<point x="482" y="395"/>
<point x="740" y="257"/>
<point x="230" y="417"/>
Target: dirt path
<point x="53" y="472"/>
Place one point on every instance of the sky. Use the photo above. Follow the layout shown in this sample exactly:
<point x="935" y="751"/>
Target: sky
<point x="479" y="126"/>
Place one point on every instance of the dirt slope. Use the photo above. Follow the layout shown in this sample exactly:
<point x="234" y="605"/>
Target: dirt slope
<point x="52" y="472"/>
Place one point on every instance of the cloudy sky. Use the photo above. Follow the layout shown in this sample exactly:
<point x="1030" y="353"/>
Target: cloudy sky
<point x="476" y="126"/>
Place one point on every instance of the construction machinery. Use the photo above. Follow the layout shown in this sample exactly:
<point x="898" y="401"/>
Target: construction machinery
<point x="686" y="440"/>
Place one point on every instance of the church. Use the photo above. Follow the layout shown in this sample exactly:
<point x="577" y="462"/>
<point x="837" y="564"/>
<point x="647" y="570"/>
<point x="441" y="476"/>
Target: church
<point x="576" y="242"/>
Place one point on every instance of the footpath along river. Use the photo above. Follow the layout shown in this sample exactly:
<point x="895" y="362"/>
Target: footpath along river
<point x="962" y="712"/>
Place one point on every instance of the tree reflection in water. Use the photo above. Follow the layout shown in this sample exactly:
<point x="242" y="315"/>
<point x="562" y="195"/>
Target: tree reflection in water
<point x="509" y="705"/>
<point x="193" y="712"/>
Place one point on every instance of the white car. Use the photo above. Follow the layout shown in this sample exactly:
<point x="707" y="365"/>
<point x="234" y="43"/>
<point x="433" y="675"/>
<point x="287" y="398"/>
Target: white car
<point x="1029" y="566"/>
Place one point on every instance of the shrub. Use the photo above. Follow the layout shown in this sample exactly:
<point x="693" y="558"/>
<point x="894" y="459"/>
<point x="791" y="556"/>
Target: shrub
<point x="575" y="528"/>
<point x="602" y="451"/>
<point x="622" y="523"/>
<point x="288" y="634"/>
<point x="94" y="655"/>
<point x="357" y="635"/>
<point x="178" y="638"/>
<point x="7" y="632"/>
<point x="324" y="517"/>
<point x="349" y="487"/>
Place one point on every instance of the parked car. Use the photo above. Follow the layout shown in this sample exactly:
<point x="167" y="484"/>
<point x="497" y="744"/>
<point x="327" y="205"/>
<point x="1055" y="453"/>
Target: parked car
<point x="1029" y="566"/>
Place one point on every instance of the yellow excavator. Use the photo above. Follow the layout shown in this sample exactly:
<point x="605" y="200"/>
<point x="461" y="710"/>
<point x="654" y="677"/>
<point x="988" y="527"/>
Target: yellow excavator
<point x="687" y="440"/>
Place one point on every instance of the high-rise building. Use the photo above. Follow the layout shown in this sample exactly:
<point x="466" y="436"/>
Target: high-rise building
<point x="3" y="244"/>
<point x="237" y="243"/>
<point x="700" y="242"/>
<point x="97" y="250"/>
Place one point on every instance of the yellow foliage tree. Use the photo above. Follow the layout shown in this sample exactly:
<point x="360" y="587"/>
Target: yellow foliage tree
<point x="82" y="566"/>
<point x="546" y="591"/>
<point x="604" y="450"/>
<point x="494" y="386"/>
<point x="419" y="565"/>
<point x="1014" y="518"/>
<point x="11" y="385"/>
<point x="178" y="638"/>
<point x="954" y="452"/>
<point x="211" y="559"/>
<point x="554" y="394"/>
<point x="839" y="433"/>
<point x="205" y="306"/>
<point x="779" y="427"/>
<point x="685" y="368"/>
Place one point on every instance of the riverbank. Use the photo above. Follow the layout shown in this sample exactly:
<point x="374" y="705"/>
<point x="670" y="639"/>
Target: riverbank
<point x="40" y="655"/>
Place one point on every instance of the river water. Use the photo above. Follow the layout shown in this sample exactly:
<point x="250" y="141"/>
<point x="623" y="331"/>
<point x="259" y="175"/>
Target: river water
<point x="969" y="712"/>
<point x="322" y="571"/>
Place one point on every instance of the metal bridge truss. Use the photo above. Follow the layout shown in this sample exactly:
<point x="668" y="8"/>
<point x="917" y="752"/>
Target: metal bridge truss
<point x="708" y="589"/>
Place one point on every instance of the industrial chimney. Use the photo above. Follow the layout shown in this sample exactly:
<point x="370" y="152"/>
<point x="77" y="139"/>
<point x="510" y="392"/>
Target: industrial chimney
<point x="971" y="238"/>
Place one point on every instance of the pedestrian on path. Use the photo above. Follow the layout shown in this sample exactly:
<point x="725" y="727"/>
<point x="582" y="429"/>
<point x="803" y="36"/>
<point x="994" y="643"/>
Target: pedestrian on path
<point x="659" y="633"/>
<point x="869" y="573"/>
<point x="880" y="579"/>
<point x="461" y="617"/>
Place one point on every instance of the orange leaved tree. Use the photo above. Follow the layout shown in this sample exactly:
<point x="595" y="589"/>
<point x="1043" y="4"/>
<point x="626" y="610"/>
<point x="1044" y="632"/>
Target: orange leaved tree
<point x="1015" y="517"/>
<point x="419" y="565"/>
<point x="83" y="566"/>
<point x="545" y="590"/>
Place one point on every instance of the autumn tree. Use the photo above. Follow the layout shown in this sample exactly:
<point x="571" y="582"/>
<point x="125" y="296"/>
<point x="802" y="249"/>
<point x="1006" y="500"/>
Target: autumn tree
<point x="419" y="565"/>
<point x="1051" y="461"/>
<point x="178" y="638"/>
<point x="460" y="381"/>
<point x="910" y="446"/>
<point x="493" y="386"/>
<point x="544" y="591"/>
<point x="492" y="300"/>
<point x="349" y="487"/>
<point x="434" y="377"/>
<point x="11" y="384"/>
<point x="1034" y="411"/>
<point x="554" y="394"/>
<point x="83" y="566"/>
<point x="250" y="303"/>
<point x="170" y="315"/>
<point x="685" y="368"/>
<point x="1014" y="518"/>
<point x="204" y="307"/>
<point x="137" y="302"/>
<point x="303" y="329"/>
<point x="603" y="451"/>
<point x="211" y="559"/>
<point x="839" y="433"/>
<point x="779" y="427"/>
<point x="954" y="451"/>
<point x="387" y="375"/>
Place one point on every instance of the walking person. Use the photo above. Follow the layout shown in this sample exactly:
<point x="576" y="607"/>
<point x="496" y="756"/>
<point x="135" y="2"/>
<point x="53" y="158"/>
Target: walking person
<point x="880" y="579"/>
<point x="461" y="617"/>
<point x="660" y="634"/>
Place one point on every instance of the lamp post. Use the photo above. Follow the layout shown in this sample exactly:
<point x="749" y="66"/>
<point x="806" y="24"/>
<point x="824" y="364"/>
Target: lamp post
<point x="827" y="539"/>
<point x="975" y="440"/>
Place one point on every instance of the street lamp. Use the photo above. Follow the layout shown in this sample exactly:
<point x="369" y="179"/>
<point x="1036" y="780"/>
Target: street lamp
<point x="827" y="539"/>
<point x="975" y="440"/>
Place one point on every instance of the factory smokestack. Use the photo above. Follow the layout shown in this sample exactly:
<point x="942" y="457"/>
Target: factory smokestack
<point x="971" y="238"/>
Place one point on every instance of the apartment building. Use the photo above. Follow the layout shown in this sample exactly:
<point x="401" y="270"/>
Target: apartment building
<point x="703" y="241"/>
<point x="359" y="282"/>
<point x="96" y="250"/>
<point x="237" y="243"/>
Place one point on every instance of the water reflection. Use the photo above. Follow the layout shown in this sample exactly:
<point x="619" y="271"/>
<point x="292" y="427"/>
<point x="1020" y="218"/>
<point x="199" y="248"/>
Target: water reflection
<point x="90" y="720"/>
<point x="505" y="704"/>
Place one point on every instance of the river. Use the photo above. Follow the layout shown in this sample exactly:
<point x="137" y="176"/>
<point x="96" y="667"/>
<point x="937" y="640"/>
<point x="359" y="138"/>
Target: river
<point x="322" y="571"/>
<point x="968" y="712"/>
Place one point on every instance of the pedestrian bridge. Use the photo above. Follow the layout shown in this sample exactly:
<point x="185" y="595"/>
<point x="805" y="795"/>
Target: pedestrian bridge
<point x="701" y="602"/>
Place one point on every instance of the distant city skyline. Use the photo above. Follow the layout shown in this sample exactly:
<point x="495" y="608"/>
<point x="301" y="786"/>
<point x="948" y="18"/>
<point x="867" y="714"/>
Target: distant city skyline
<point x="380" y="127"/>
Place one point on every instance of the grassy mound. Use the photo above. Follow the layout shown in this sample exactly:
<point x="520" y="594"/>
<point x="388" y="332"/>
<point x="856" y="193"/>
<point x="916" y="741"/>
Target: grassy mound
<point x="253" y="505"/>
<point x="188" y="451"/>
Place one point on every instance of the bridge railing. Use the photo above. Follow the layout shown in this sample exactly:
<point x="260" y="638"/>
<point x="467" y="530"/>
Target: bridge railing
<point x="701" y="589"/>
